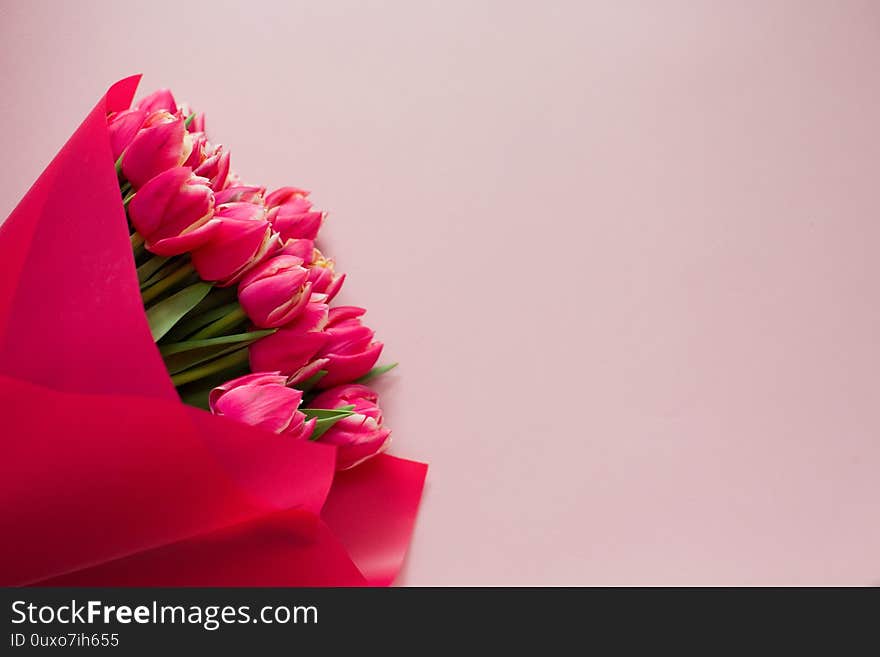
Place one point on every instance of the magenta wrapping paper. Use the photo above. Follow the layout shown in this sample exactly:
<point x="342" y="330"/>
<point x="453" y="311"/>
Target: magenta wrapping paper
<point x="107" y="479"/>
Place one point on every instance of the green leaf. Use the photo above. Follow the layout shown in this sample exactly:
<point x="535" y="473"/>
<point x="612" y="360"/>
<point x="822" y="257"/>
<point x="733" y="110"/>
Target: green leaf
<point x="189" y="120"/>
<point x="171" y="265"/>
<point x="188" y="345"/>
<point x="167" y="280"/>
<point x="219" y="296"/>
<point x="223" y="325"/>
<point x="193" y="355"/>
<point x="150" y="267"/>
<point x="177" y="363"/>
<point x="376" y="371"/>
<point x="168" y="312"/>
<point x="197" y="318"/>
<point x="327" y="413"/>
<point x="221" y="366"/>
<point x="138" y="249"/>
<point x="327" y="417"/>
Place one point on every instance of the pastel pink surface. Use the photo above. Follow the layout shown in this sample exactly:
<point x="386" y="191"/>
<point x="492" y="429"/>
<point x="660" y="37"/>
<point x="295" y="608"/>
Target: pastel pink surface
<point x="626" y="253"/>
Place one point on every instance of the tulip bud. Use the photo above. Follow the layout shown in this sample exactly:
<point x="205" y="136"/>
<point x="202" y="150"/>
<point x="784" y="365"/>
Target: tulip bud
<point x="243" y="239"/>
<point x="159" y="145"/>
<point x="323" y="277"/>
<point x="294" y="345"/>
<point x="241" y="194"/>
<point x="284" y="194"/>
<point x="262" y="400"/>
<point x="173" y="212"/>
<point x="234" y="180"/>
<point x="122" y="127"/>
<point x="215" y="166"/>
<point x="302" y="249"/>
<point x="275" y="292"/>
<point x="349" y="350"/>
<point x="197" y="123"/>
<point x="161" y="99"/>
<point x="357" y="437"/>
<point x="291" y="215"/>
<point x="197" y="154"/>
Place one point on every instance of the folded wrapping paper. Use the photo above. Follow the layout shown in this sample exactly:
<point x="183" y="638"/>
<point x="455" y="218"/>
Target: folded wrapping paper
<point x="107" y="478"/>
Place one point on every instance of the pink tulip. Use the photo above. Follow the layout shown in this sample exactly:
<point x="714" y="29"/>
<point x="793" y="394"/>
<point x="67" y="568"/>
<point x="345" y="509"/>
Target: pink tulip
<point x="162" y="99"/>
<point x="357" y="437"/>
<point x="284" y="194"/>
<point x="350" y="349"/>
<point x="302" y="249"/>
<point x="241" y="194"/>
<point x="123" y="126"/>
<point x="173" y="212"/>
<point x="323" y="277"/>
<point x="199" y="146"/>
<point x="294" y="345"/>
<point x="215" y="167"/>
<point x="234" y="180"/>
<point x="275" y="292"/>
<point x="304" y="225"/>
<point x="263" y="400"/>
<point x="291" y="215"/>
<point x="198" y="122"/>
<point x="243" y="239"/>
<point x="306" y="372"/>
<point x="159" y="145"/>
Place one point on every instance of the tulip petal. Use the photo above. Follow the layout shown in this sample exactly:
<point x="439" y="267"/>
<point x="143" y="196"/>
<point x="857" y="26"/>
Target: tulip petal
<point x="171" y="246"/>
<point x="161" y="99"/>
<point x="347" y="368"/>
<point x="234" y="245"/>
<point x="152" y="151"/>
<point x="286" y="351"/>
<point x="343" y="313"/>
<point x="269" y="407"/>
<point x="122" y="128"/>
<point x="283" y="195"/>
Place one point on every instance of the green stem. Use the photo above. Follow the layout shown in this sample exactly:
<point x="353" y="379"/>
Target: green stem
<point x="177" y="276"/>
<point x="127" y="199"/>
<point x="137" y="245"/>
<point x="220" y="326"/>
<point x="235" y="359"/>
<point x="150" y="268"/>
<point x="196" y="319"/>
<point x="170" y="266"/>
<point x="125" y="189"/>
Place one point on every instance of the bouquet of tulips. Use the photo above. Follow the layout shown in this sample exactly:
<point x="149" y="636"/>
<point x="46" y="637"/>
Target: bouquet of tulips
<point x="142" y="273"/>
<point x="236" y="292"/>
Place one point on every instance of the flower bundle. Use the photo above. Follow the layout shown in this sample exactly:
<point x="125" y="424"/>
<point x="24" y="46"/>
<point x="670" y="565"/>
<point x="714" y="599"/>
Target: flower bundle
<point x="140" y="272"/>
<point x="236" y="292"/>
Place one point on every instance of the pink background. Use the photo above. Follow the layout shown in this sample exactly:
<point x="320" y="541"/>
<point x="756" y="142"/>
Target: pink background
<point x="627" y="253"/>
